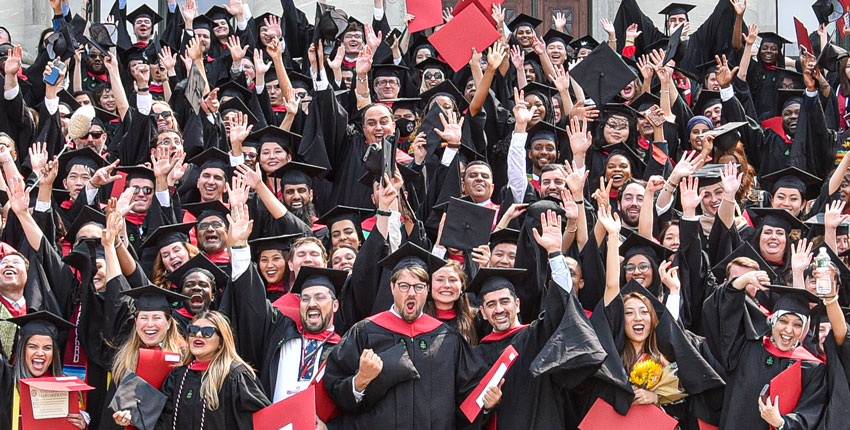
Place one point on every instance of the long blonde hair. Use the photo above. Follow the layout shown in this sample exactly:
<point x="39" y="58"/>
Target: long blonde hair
<point x="127" y="357"/>
<point x="213" y="378"/>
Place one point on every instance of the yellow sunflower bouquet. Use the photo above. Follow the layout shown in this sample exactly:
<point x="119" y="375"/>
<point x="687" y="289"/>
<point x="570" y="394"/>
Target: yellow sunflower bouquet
<point x="646" y="374"/>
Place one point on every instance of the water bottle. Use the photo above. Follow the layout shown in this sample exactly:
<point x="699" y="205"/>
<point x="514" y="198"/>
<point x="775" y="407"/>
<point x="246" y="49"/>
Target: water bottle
<point x="823" y="273"/>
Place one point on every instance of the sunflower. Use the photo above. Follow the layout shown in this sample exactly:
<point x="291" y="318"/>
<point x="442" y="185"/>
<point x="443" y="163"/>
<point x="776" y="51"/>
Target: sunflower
<point x="646" y="374"/>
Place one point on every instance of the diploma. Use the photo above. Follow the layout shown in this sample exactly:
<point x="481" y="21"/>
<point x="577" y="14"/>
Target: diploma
<point x="475" y="401"/>
<point x="48" y="404"/>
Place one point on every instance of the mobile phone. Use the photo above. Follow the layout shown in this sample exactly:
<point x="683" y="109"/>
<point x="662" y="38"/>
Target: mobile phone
<point x="655" y="116"/>
<point x="765" y="393"/>
<point x="391" y="38"/>
<point x="53" y="77"/>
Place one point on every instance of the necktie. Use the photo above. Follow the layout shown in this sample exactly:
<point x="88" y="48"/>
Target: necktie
<point x="308" y="359"/>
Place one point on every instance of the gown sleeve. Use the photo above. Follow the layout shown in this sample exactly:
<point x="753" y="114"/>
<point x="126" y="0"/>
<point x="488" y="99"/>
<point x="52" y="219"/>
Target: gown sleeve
<point x="246" y="397"/>
<point x="725" y="316"/>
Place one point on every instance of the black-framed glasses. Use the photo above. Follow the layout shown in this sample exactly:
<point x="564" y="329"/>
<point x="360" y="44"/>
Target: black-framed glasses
<point x="418" y="287"/>
<point x="164" y="114"/>
<point x="205" y="225"/>
<point x="206" y="332"/>
<point x="94" y="55"/>
<point x="93" y="134"/>
<point x="144" y="190"/>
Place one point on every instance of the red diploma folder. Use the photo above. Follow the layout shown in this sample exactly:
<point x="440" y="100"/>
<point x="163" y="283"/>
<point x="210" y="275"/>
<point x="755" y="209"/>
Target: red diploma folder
<point x="427" y="13"/>
<point x="468" y="29"/>
<point x="475" y="401"/>
<point x="326" y="409"/>
<point x="154" y="365"/>
<point x="602" y="416"/>
<point x="49" y="392"/>
<point x="788" y="385"/>
<point x="485" y="6"/>
<point x="803" y="36"/>
<point x="296" y="412"/>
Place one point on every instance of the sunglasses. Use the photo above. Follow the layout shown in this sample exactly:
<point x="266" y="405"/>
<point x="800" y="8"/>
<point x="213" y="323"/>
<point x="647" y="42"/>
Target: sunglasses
<point x="206" y="332"/>
<point x="144" y="190"/>
<point x="435" y="75"/>
<point x="164" y="114"/>
<point x="93" y="134"/>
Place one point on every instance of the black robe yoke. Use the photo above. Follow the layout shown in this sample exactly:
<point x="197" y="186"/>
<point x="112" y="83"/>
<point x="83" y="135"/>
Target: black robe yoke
<point x="749" y="366"/>
<point x="239" y="397"/>
<point x="532" y="401"/>
<point x="448" y="371"/>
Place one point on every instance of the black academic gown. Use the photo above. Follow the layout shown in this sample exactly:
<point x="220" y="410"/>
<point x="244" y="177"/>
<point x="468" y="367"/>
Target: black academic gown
<point x="749" y="366"/>
<point x="239" y="397"/>
<point x="428" y="370"/>
<point x="562" y="335"/>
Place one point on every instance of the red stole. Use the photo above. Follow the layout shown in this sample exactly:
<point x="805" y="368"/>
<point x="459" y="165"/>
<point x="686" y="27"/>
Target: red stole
<point x="222" y="257"/>
<point x="156" y="88"/>
<point x="288" y="304"/>
<point x="9" y="307"/>
<point x="368" y="224"/>
<point x="103" y="76"/>
<point x="332" y="337"/>
<point x="775" y="124"/>
<point x="798" y="353"/>
<point x="135" y="219"/>
<point x="200" y="366"/>
<point x="277" y="286"/>
<point x="445" y="315"/>
<point x="141" y="44"/>
<point x="423" y="324"/>
<point x="495" y="337"/>
<point x="66" y="204"/>
<point x="684" y="85"/>
<point x="280" y="109"/>
<point x="185" y="312"/>
<point x="75" y="354"/>
<point x="348" y="64"/>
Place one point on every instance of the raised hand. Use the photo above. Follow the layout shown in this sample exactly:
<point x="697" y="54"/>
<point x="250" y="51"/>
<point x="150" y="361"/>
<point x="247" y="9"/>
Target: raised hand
<point x="740" y="6"/>
<point x="272" y="23"/>
<point x="372" y="40"/>
<point x="447" y="14"/>
<point x="190" y="11"/>
<point x="602" y="195"/>
<point x="364" y="60"/>
<point x="654" y="184"/>
<point x="240" y="226"/>
<point x="611" y="222"/>
<point x="274" y="49"/>
<point x="833" y="215"/>
<point x="670" y="276"/>
<point x="580" y="137"/>
<point x="104" y="175"/>
<point x="336" y="63"/>
<point x="452" y="129"/>
<point x="237" y="51"/>
<point x="689" y="195"/>
<point x="291" y="102"/>
<point x="801" y="255"/>
<point x="19" y="198"/>
<point x="498" y="15"/>
<point x="606" y="24"/>
<point x="496" y="54"/>
<point x="568" y="204"/>
<point x="386" y="194"/>
<point x="234" y="7"/>
<point x="260" y="66"/>
<point x="49" y="173"/>
<point x="632" y="32"/>
<point x="420" y="150"/>
<point x="251" y="177"/>
<point x="687" y="166"/>
<point x="14" y="60"/>
<point x="560" y="21"/>
<point x="114" y="224"/>
<point x="730" y="179"/>
<point x="549" y="235"/>
<point x="124" y="201"/>
<point x="561" y="79"/>
<point x="724" y="74"/>
<point x="752" y="34"/>
<point x="476" y="57"/>
<point x="238" y="193"/>
<point x="178" y="170"/>
<point x="522" y="111"/>
<point x="583" y="112"/>
<point x="167" y="59"/>
<point x="195" y="48"/>
<point x="538" y="45"/>
<point x="211" y="104"/>
<point x="38" y="156"/>
<point x="517" y="57"/>
<point x="240" y="128"/>
<point x="162" y="162"/>
<point x="646" y="67"/>
<point x="576" y="180"/>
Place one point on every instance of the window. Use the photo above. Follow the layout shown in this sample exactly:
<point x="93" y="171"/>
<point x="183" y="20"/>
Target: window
<point x="568" y="13"/>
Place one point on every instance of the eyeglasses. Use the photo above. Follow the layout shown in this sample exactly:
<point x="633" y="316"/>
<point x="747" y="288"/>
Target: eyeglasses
<point x="205" y="225"/>
<point x="206" y="332"/>
<point x="249" y="155"/>
<point x="93" y="134"/>
<point x="349" y="36"/>
<point x="435" y="75"/>
<point x="164" y="114"/>
<point x="642" y="267"/>
<point x="318" y="297"/>
<point x="144" y="190"/>
<point x="386" y="83"/>
<point x="169" y="142"/>
<point x="94" y="55"/>
<point x="405" y="287"/>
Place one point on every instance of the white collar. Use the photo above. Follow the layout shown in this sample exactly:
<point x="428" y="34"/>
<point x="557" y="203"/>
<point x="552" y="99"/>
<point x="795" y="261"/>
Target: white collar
<point x="18" y="304"/>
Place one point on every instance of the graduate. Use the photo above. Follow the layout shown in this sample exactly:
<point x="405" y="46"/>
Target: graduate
<point x="382" y="360"/>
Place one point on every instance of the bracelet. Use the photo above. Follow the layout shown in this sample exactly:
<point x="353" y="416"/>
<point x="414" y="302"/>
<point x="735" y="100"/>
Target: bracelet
<point x="829" y="301"/>
<point x="555" y="254"/>
<point x="573" y="230"/>
<point x="143" y="90"/>
<point x="359" y="79"/>
<point x="383" y="213"/>
<point x="630" y="41"/>
<point x="239" y="246"/>
<point x="664" y="92"/>
<point x="579" y="202"/>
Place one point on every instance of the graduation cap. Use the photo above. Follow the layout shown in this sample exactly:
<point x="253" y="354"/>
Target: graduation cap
<point x="553" y="36"/>
<point x="622" y="148"/>
<point x="489" y="279"/>
<point x="645" y="101"/>
<point x="791" y="177"/>
<point x="204" y="209"/>
<point x="139" y="171"/>
<point x="84" y="254"/>
<point x="42" y="323"/>
<point x="217" y="12"/>
<point x="233" y="89"/>
<point x="391" y="70"/>
<point x="87" y="216"/>
<point x="448" y="89"/>
<point x="468" y="154"/>
<point x="103" y="35"/>
<point x="236" y="104"/>
<point x="709" y="174"/>
<point x="5" y="48"/>
<point x="784" y="98"/>
<point x="285" y="139"/>
<point x="828" y="10"/>
<point x="602" y="74"/>
<point x="817" y="225"/>
<point x="620" y="109"/>
<point x="771" y="37"/>
<point x="505" y="235"/>
<point x="202" y="22"/>
<point x="794" y="300"/>
<point x="330" y="23"/>
<point x="309" y="276"/>
<point x="212" y="158"/>
<point x="546" y="131"/>
<point x="638" y="244"/>
<point x="409" y="103"/>
<point x="830" y="55"/>
<point x="745" y="250"/>
<point x="780" y="218"/>
<point x="167" y="234"/>
<point x="198" y="262"/>
<point x="295" y="173"/>
<point x="524" y="20"/>
<point x="706" y="99"/>
<point x="706" y="69"/>
<point x="466" y="225"/>
<point x="409" y="255"/>
<point x="60" y="44"/>
<point x="726" y="135"/>
<point x="144" y="11"/>
<point x="66" y="98"/>
<point x="299" y="80"/>
<point x="676" y="9"/>
<point x="672" y="50"/>
<point x="280" y="243"/>
<point x="341" y="213"/>
<point x="104" y="116"/>
<point x="586" y="42"/>
<point x="433" y="63"/>
<point x="151" y="298"/>
<point x="142" y="399"/>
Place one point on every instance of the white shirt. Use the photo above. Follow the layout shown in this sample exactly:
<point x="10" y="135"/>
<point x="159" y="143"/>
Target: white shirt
<point x="288" y="367"/>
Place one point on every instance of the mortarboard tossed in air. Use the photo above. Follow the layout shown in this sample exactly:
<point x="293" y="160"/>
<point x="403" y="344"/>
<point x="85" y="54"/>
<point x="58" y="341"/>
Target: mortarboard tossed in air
<point x="602" y="74"/>
<point x="828" y="10"/>
<point x="467" y="225"/>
